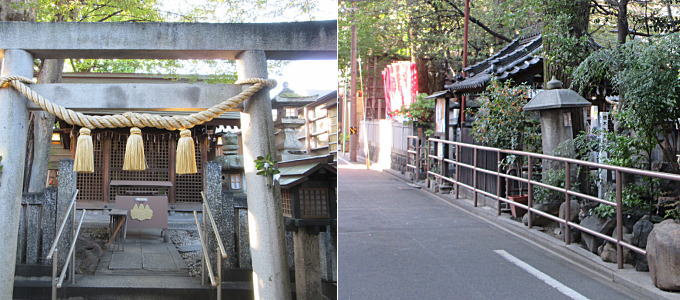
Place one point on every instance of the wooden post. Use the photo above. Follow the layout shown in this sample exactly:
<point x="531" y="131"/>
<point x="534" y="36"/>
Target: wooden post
<point x="172" y="176"/>
<point x="106" y="167"/>
<point x="271" y="279"/>
<point x="308" y="135"/>
<point x="13" y="136"/>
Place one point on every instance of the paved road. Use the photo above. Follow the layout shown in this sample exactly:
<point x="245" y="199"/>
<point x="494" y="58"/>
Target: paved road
<point x="396" y="242"/>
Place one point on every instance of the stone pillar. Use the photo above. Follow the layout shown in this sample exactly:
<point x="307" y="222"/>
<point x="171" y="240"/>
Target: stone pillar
<point x="329" y="257"/>
<point x="556" y="127"/>
<point x="220" y="210"/>
<point x="67" y="179"/>
<point x="13" y="135"/>
<point x="229" y="230"/>
<point x="265" y="220"/>
<point x="307" y="264"/>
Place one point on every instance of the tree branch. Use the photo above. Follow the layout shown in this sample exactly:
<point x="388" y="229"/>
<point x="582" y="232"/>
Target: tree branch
<point x="110" y="16"/>
<point x="478" y="23"/>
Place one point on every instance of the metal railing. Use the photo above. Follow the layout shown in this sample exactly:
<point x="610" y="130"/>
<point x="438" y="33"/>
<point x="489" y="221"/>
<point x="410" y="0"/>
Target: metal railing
<point x="568" y="163"/>
<point x="53" y="254"/>
<point x="221" y="253"/>
<point x="414" y="147"/>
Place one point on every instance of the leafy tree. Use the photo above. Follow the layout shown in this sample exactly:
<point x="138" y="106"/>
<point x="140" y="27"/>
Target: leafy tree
<point x="501" y="121"/>
<point x="645" y="74"/>
<point x="429" y="31"/>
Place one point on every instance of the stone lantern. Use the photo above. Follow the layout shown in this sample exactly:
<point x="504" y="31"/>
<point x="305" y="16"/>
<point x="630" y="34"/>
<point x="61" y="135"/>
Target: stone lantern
<point x="561" y="112"/>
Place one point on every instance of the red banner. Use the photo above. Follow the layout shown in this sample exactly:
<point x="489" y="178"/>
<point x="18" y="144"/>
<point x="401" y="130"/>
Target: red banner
<point x="401" y="85"/>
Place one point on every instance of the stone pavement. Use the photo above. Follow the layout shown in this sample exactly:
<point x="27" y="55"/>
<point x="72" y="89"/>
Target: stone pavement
<point x="397" y="242"/>
<point x="144" y="252"/>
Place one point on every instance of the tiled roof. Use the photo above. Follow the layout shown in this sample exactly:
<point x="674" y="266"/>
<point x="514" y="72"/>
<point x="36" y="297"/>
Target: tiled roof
<point x="518" y="55"/>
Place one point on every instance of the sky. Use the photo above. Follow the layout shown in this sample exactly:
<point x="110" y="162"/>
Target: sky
<point x="301" y="75"/>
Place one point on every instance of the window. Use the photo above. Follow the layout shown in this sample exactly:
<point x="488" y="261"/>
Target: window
<point x="235" y="181"/>
<point x="291" y="112"/>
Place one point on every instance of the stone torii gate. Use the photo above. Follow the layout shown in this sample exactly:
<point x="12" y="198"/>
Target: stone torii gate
<point x="249" y="44"/>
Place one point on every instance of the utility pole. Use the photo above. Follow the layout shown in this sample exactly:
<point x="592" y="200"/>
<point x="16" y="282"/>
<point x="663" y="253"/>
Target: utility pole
<point x="466" y="28"/>
<point x="354" y="118"/>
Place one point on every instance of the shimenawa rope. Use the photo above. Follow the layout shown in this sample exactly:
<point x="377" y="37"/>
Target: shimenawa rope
<point x="134" y="152"/>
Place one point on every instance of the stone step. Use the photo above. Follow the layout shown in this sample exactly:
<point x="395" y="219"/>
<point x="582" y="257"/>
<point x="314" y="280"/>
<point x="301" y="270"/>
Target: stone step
<point x="31" y="270"/>
<point x="135" y="287"/>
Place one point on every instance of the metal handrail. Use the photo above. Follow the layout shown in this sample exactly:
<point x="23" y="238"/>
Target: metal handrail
<point x="215" y="281"/>
<point x="618" y="205"/>
<point x="70" y="251"/>
<point x="205" y="251"/>
<point x="206" y="209"/>
<point x="53" y="254"/>
<point x="63" y="225"/>
<point x="627" y="170"/>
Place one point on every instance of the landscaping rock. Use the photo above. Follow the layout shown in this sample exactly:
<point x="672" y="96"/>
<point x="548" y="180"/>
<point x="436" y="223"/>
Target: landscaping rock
<point x="607" y="251"/>
<point x="573" y="214"/>
<point x="663" y="255"/>
<point x="629" y="220"/>
<point x="641" y="231"/>
<point x="88" y="253"/>
<point x="552" y="208"/>
<point x="641" y="264"/>
<point x="595" y="223"/>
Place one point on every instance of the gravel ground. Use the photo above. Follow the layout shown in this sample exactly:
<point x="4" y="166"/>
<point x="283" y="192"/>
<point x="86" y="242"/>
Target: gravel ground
<point x="90" y="248"/>
<point x="181" y="237"/>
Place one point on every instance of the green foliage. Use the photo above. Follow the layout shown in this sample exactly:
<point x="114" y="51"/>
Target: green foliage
<point x="599" y="68"/>
<point x="420" y="113"/>
<point x="428" y="29"/>
<point x="564" y="38"/>
<point x="651" y="88"/>
<point x="645" y="73"/>
<point x="636" y="198"/>
<point x="553" y="177"/>
<point x="266" y="166"/>
<point x="604" y="211"/>
<point x="674" y="212"/>
<point x="501" y="122"/>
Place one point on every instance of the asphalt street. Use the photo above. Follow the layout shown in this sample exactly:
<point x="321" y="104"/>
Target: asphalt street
<point x="397" y="242"/>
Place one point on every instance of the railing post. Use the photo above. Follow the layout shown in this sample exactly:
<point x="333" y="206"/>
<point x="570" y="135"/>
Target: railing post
<point x="457" y="171"/>
<point x="498" y="183"/>
<point x="55" y="262"/>
<point x="203" y="263"/>
<point x="75" y="239"/>
<point x="567" y="217"/>
<point x="441" y="156"/>
<point x="474" y="174"/>
<point x="530" y="190"/>
<point x="219" y="274"/>
<point x="619" y="219"/>
<point x="445" y="156"/>
<point x="417" y="159"/>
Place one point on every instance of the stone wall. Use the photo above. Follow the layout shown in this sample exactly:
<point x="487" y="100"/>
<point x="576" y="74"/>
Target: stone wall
<point x="37" y="226"/>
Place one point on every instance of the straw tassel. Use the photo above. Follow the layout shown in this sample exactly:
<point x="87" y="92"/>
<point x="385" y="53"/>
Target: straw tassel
<point x="134" y="151"/>
<point x="84" y="162"/>
<point x="186" y="154"/>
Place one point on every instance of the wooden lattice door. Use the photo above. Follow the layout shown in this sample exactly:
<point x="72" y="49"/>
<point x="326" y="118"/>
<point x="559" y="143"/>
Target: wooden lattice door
<point x="157" y="147"/>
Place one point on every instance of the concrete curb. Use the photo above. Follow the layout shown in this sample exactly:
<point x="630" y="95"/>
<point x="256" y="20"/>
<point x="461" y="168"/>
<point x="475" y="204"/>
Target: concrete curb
<point x="637" y="284"/>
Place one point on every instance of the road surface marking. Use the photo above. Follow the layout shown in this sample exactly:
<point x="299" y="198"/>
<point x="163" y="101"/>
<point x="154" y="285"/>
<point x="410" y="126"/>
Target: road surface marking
<point x="542" y="276"/>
